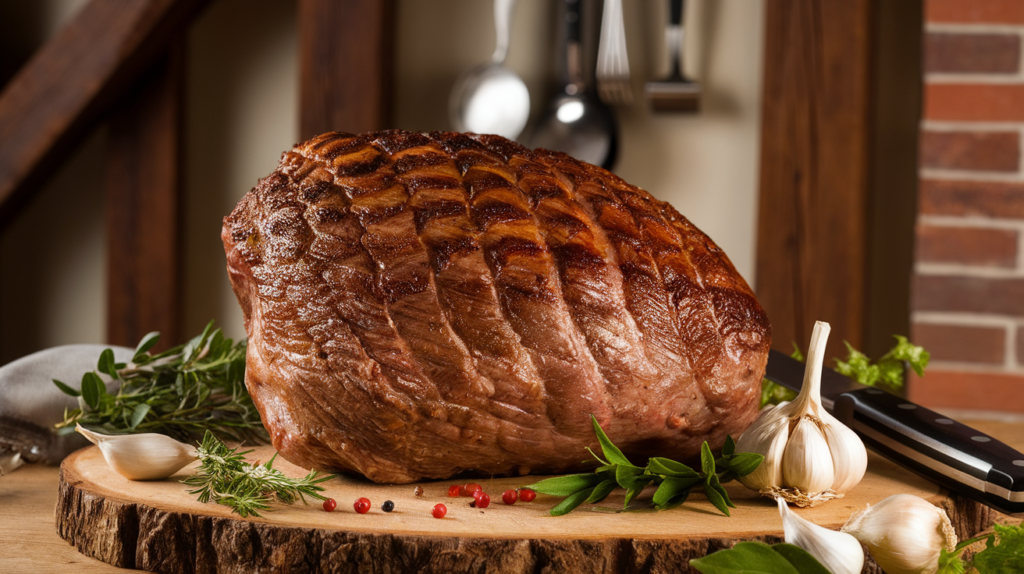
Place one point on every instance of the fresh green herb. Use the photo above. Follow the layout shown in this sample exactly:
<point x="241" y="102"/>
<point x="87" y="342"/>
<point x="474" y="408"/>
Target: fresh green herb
<point x="759" y="558"/>
<point x="673" y="479"/>
<point x="182" y="392"/>
<point x="1003" y="553"/>
<point x="888" y="371"/>
<point x="225" y="478"/>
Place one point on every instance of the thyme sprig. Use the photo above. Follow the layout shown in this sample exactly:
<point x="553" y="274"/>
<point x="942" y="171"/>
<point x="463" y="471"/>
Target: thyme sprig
<point x="226" y="478"/>
<point x="674" y="479"/>
<point x="182" y="392"/>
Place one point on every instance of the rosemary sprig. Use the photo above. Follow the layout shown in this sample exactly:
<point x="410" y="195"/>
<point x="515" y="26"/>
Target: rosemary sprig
<point x="226" y="478"/>
<point x="674" y="479"/>
<point x="182" y="392"/>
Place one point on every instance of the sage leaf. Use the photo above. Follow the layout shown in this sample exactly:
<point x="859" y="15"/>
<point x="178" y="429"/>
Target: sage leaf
<point x="639" y="483"/>
<point x="672" y="487"/>
<point x="138" y="414"/>
<point x="625" y="474"/>
<point x="611" y="452"/>
<point x="729" y="448"/>
<point x="744" y="463"/>
<point x="106" y="363"/>
<point x="676" y="500"/>
<point x="147" y="343"/>
<point x="716" y="499"/>
<point x="571" y="502"/>
<point x="602" y="490"/>
<point x="92" y="389"/>
<point x="66" y="389"/>
<point x="565" y="485"/>
<point x="669" y="467"/>
<point x="707" y="461"/>
<point x="713" y="483"/>
<point x="745" y="558"/>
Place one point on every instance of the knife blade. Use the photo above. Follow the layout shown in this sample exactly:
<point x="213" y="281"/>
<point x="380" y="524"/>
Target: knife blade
<point x="949" y="453"/>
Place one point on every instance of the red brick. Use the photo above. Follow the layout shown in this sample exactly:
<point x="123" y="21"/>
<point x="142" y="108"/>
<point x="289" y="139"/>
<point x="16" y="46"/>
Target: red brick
<point x="962" y="344"/>
<point x="976" y="151"/>
<point x="966" y="390"/>
<point x="975" y="11"/>
<point x="971" y="198"/>
<point x="974" y="102"/>
<point x="968" y="294"/>
<point x="966" y="245"/>
<point x="972" y="53"/>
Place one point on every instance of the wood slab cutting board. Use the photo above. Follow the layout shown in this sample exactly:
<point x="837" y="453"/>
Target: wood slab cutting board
<point x="158" y="526"/>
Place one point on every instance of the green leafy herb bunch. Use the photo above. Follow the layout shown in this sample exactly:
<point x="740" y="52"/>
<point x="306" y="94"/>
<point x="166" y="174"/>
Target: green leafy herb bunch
<point x="182" y="392"/>
<point x="674" y="479"/>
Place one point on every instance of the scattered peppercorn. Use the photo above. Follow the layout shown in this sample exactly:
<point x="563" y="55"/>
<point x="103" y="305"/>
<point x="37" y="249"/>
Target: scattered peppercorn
<point x="330" y="505"/>
<point x="527" y="495"/>
<point x="482" y="499"/>
<point x="509" y="496"/>
<point x="454" y="490"/>
<point x="418" y="491"/>
<point x="388" y="506"/>
<point x="439" y="510"/>
<point x="362" y="505"/>
<point x="470" y="488"/>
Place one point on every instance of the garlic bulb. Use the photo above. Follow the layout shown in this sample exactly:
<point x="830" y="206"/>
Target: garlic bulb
<point x="146" y="456"/>
<point x="904" y="534"/>
<point x="838" y="552"/>
<point x="809" y="456"/>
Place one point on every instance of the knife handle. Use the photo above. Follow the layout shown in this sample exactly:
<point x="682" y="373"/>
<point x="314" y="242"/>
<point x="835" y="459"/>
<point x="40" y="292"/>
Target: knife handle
<point x="965" y="460"/>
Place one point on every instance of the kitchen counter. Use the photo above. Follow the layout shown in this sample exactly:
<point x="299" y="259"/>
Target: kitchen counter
<point x="29" y="542"/>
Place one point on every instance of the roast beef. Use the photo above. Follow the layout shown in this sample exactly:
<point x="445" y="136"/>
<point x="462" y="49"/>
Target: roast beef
<point x="424" y="304"/>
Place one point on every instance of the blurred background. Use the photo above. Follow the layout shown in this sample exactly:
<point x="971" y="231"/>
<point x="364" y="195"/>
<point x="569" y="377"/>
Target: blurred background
<point x="859" y="161"/>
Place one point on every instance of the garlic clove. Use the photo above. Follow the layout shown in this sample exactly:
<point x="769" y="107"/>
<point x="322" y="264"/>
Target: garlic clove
<point x="849" y="457"/>
<point x="768" y="436"/>
<point x="807" y="462"/>
<point x="838" y="552"/>
<point x="904" y="533"/>
<point x="145" y="456"/>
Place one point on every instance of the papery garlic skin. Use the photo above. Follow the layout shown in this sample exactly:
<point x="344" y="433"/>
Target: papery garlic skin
<point x="905" y="534"/>
<point x="838" y="552"/>
<point x="145" y="456"/>
<point x="809" y="455"/>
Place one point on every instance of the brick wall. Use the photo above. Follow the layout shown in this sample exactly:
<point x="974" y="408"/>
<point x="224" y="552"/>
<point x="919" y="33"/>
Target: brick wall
<point x="968" y="291"/>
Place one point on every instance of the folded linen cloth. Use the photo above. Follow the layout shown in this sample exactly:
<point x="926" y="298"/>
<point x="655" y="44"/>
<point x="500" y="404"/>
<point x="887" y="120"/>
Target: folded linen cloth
<point x="30" y="404"/>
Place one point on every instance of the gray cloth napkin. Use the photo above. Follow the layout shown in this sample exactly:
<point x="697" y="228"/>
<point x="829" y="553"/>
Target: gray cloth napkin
<point x="30" y="404"/>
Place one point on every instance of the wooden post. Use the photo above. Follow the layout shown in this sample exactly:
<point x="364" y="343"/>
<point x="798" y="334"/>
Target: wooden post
<point x="813" y="221"/>
<point x="144" y="207"/>
<point x="346" y="49"/>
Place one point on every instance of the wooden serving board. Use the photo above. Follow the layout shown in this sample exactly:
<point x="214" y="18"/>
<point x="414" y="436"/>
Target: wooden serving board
<point x="158" y="526"/>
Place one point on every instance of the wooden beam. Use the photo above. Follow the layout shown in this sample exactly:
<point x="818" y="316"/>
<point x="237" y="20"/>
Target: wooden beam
<point x="346" y="55"/>
<point x="55" y="100"/>
<point x="144" y="196"/>
<point x="813" y="218"/>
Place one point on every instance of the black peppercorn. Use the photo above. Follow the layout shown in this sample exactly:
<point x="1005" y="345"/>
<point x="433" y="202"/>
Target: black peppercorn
<point x="388" y="506"/>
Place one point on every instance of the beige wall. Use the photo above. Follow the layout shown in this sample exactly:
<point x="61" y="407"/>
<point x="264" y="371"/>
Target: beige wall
<point x="242" y="102"/>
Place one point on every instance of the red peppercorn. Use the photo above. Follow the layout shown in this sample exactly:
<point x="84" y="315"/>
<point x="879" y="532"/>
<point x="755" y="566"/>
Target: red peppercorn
<point x="471" y="488"/>
<point x="527" y="495"/>
<point x="330" y="505"/>
<point x="362" y="505"/>
<point x="454" y="490"/>
<point x="439" y="510"/>
<point x="482" y="499"/>
<point x="509" y="496"/>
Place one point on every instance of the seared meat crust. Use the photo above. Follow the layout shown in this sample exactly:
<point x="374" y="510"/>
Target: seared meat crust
<point x="419" y="305"/>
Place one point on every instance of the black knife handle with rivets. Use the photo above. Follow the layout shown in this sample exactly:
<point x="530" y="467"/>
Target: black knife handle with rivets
<point x="949" y="453"/>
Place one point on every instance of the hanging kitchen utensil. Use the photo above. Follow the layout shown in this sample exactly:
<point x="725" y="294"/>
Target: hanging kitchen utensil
<point x="575" y="121"/>
<point x="676" y="93"/>
<point x="612" y="61"/>
<point x="491" y="99"/>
